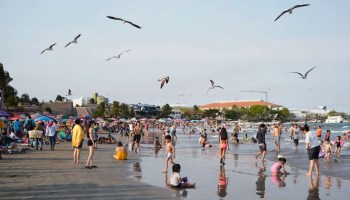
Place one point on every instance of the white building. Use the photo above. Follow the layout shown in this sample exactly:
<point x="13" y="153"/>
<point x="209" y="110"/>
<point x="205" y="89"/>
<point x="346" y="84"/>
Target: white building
<point x="80" y="102"/>
<point x="302" y="113"/>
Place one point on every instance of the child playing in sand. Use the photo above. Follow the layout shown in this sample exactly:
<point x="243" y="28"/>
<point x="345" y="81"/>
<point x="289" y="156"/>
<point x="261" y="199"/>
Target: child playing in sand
<point x="156" y="143"/>
<point x="276" y="168"/>
<point x="328" y="150"/>
<point x="170" y="152"/>
<point x="177" y="181"/>
<point x="338" y="145"/>
<point x="120" y="152"/>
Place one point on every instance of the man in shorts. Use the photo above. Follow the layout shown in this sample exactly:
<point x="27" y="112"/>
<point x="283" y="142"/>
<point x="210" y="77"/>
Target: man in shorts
<point x="137" y="136"/>
<point x="277" y="136"/>
<point x="77" y="140"/>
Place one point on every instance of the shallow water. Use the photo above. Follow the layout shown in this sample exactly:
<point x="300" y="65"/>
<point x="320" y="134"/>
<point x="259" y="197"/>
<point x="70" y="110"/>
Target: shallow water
<point x="247" y="178"/>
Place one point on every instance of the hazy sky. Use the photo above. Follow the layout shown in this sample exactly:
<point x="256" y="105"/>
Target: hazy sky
<point x="235" y="43"/>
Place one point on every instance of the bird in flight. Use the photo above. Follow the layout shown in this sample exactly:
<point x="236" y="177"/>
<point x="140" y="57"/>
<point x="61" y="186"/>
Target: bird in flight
<point x="305" y="75"/>
<point x="124" y="21"/>
<point x="163" y="80"/>
<point x="69" y="93"/>
<point x="48" y="49"/>
<point x="213" y="86"/>
<point x="290" y="10"/>
<point x="118" y="56"/>
<point x="74" y="41"/>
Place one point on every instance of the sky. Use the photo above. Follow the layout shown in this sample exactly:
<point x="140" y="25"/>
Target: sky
<point x="235" y="43"/>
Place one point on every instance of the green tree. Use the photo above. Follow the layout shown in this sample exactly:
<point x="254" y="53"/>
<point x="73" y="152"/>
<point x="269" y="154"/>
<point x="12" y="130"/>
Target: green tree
<point x="211" y="113"/>
<point x="124" y="110"/>
<point x="5" y="79"/>
<point x="35" y="101"/>
<point x="25" y="98"/>
<point x="283" y="115"/>
<point x="335" y="113"/>
<point x="196" y="112"/>
<point x="48" y="109"/>
<point x="258" y="113"/>
<point x="114" y="109"/>
<point x="12" y="102"/>
<point x="101" y="109"/>
<point x="166" y="110"/>
<point x="59" y="98"/>
<point x="132" y="112"/>
<point x="92" y="101"/>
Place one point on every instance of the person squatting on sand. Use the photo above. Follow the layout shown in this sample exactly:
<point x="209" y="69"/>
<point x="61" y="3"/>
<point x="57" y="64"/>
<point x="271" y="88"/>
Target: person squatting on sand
<point x="120" y="152"/>
<point x="278" y="166"/>
<point x="260" y="136"/>
<point x="313" y="149"/>
<point x="77" y="140"/>
<point x="170" y="152"/>
<point x="177" y="181"/>
<point x="91" y="144"/>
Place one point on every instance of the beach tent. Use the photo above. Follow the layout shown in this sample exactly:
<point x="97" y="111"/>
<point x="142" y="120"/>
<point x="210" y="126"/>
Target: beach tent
<point x="4" y="114"/>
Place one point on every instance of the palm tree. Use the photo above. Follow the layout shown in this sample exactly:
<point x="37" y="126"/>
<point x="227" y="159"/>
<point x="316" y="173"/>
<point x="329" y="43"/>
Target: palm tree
<point x="5" y="79"/>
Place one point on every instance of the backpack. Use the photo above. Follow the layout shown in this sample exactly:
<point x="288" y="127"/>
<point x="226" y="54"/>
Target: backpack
<point x="30" y="125"/>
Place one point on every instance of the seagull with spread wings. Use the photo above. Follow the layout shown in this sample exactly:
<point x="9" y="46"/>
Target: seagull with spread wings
<point x="48" y="49"/>
<point x="118" y="56"/>
<point x="290" y="10"/>
<point x="213" y="86"/>
<point x="74" y="41"/>
<point x="305" y="75"/>
<point x="124" y="21"/>
<point x="69" y="93"/>
<point x="163" y="80"/>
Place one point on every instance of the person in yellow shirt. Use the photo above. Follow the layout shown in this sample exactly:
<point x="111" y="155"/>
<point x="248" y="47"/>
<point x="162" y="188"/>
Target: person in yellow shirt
<point x="120" y="152"/>
<point x="77" y="140"/>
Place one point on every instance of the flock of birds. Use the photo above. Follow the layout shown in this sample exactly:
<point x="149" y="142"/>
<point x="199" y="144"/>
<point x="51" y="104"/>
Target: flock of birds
<point x="166" y="79"/>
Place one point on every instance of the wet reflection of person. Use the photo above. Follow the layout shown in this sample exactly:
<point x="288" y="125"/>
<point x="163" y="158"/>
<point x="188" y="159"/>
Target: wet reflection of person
<point x="223" y="182"/>
<point x="313" y="188"/>
<point x="260" y="183"/>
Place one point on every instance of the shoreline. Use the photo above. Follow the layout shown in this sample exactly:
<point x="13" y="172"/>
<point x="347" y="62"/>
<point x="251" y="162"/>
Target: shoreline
<point x="51" y="174"/>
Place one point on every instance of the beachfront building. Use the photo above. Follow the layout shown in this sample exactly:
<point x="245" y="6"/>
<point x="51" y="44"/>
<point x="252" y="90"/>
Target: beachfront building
<point x="82" y="101"/>
<point x="220" y="105"/>
<point x="59" y="108"/>
<point x="145" y="110"/>
<point x="303" y="113"/>
<point x="176" y="114"/>
<point x="99" y="98"/>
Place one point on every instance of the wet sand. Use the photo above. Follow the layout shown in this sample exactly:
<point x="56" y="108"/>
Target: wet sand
<point x="52" y="175"/>
<point x="247" y="178"/>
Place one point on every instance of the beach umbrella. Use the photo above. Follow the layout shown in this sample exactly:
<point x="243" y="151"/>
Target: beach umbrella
<point x="87" y="117"/>
<point x="43" y="118"/>
<point x="144" y="119"/>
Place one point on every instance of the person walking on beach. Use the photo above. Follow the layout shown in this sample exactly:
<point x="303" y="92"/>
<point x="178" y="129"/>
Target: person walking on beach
<point x="313" y="149"/>
<point x="173" y="132"/>
<point x="51" y="134"/>
<point x="277" y="136"/>
<point x="223" y="141"/>
<point x="39" y="127"/>
<point x="91" y="144"/>
<point x="260" y="136"/>
<point x="170" y="152"/>
<point x="77" y="140"/>
<point x="137" y="136"/>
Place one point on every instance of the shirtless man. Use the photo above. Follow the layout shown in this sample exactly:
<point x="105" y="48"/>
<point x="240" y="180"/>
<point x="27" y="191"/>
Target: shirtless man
<point x="137" y="136"/>
<point x="170" y="152"/>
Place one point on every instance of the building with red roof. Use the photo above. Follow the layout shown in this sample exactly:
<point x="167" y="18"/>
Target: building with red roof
<point x="241" y="103"/>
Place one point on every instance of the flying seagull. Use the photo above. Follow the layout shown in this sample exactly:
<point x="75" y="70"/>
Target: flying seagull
<point x="124" y="21"/>
<point x="213" y="86"/>
<point x="49" y="49"/>
<point x="69" y="93"/>
<point x="118" y="56"/>
<point x="74" y="41"/>
<point x="163" y="80"/>
<point x="303" y="76"/>
<point x="290" y="10"/>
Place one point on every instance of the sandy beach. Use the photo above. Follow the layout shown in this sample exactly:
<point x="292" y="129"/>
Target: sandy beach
<point x="52" y="175"/>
